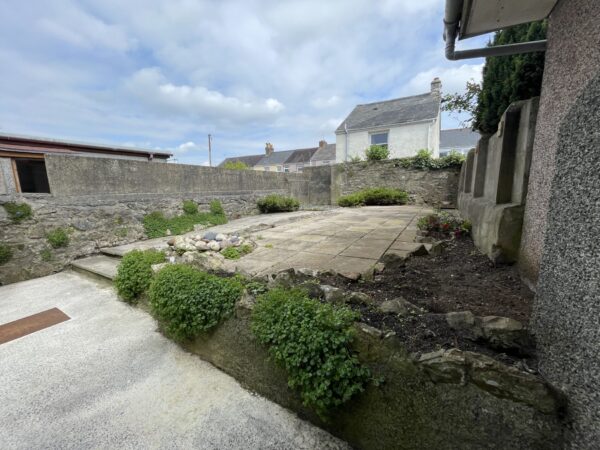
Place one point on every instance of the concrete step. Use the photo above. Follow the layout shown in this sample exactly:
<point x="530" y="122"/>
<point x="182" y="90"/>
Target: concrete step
<point x="158" y="244"/>
<point x="100" y="266"/>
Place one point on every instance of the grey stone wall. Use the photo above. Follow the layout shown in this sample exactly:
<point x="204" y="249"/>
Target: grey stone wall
<point x="493" y="183"/>
<point x="431" y="187"/>
<point x="566" y="313"/>
<point x="7" y="184"/>
<point x="572" y="60"/>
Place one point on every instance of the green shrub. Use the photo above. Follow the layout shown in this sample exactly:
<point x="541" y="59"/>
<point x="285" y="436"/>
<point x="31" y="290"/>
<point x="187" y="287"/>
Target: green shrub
<point x="188" y="302"/>
<point x="277" y="203"/>
<point x="445" y="223"/>
<point x="5" y="254"/>
<point x="453" y="159"/>
<point x="231" y="253"/>
<point x="235" y="165"/>
<point x="312" y="341"/>
<point x="377" y="153"/>
<point x="156" y="224"/>
<point x="355" y="158"/>
<point x="135" y="272"/>
<point x="216" y="208"/>
<point x="190" y="207"/>
<point x="58" y="238"/>
<point x="46" y="255"/>
<point x="423" y="160"/>
<point x="374" y="196"/>
<point x="18" y="212"/>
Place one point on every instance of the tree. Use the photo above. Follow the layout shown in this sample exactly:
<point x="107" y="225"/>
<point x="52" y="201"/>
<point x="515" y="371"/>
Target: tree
<point x="235" y="165"/>
<point x="506" y="79"/>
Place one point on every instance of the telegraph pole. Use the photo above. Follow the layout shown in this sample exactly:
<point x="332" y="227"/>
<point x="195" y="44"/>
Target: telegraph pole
<point x="209" y="151"/>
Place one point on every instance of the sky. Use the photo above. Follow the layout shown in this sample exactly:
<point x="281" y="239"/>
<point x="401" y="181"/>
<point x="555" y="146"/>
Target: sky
<point x="163" y="74"/>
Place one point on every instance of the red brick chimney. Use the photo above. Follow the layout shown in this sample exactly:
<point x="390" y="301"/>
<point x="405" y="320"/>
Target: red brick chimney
<point x="269" y="149"/>
<point x="322" y="143"/>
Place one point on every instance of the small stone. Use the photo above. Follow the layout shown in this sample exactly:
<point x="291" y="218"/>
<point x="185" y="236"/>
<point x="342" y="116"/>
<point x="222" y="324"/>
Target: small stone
<point x="225" y="243"/>
<point x="188" y="257"/>
<point x="379" y="267"/>
<point x="358" y="298"/>
<point x="419" y="251"/>
<point x="220" y="237"/>
<point x="171" y="242"/>
<point x="168" y="232"/>
<point x="393" y="307"/>
<point x="201" y="246"/>
<point x="247" y="301"/>
<point x="332" y="294"/>
<point x="214" y="246"/>
<point x="461" y="320"/>
<point x="352" y="276"/>
<point x="209" y="236"/>
<point x="437" y="248"/>
<point x="234" y="238"/>
<point x="371" y="331"/>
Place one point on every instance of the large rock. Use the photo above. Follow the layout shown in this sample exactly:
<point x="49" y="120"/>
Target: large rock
<point x="332" y="294"/>
<point x="399" y="306"/>
<point x="214" y="246"/>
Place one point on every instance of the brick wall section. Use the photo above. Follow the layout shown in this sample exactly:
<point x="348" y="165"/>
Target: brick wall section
<point x="431" y="187"/>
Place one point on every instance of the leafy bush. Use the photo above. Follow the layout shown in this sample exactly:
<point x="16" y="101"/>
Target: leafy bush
<point x="135" y="272"/>
<point x="216" y="208"/>
<point x="190" y="207"/>
<point x="377" y="153"/>
<point x="156" y="224"/>
<point x="237" y="252"/>
<point x="235" y="165"/>
<point x="18" y="212"/>
<point x="5" y="254"/>
<point x="423" y="160"/>
<point x="57" y="238"/>
<point x="312" y="341"/>
<point x="355" y="158"/>
<point x="277" y="203"/>
<point x="454" y="158"/>
<point x="188" y="302"/>
<point x="445" y="223"/>
<point x="375" y="196"/>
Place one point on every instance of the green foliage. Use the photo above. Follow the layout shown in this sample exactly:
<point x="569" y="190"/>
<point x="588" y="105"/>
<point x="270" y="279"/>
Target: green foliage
<point x="374" y="196"/>
<point x="277" y="203"/>
<point x="46" y="255"/>
<point x="216" y="208"/>
<point x="5" y="254"/>
<point x="135" y="272"/>
<point x="355" y="158"/>
<point x="312" y="341"/>
<point x="188" y="302"/>
<point x="506" y="79"/>
<point x="58" y="238"/>
<point x="190" y="207"/>
<point x="156" y="224"/>
<point x="445" y="223"/>
<point x="424" y="161"/>
<point x="256" y="288"/>
<point x="18" y="212"/>
<point x="237" y="252"/>
<point x="377" y="153"/>
<point x="235" y="165"/>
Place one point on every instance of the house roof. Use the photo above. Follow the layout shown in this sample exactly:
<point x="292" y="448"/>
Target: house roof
<point x="458" y="138"/>
<point x="249" y="160"/>
<point x="392" y="112"/>
<point x="302" y="155"/>
<point x="32" y="144"/>
<point x="326" y="153"/>
<point x="275" y="158"/>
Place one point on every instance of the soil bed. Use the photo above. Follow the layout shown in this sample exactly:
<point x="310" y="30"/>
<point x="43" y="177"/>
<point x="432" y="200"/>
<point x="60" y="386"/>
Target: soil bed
<point x="460" y="279"/>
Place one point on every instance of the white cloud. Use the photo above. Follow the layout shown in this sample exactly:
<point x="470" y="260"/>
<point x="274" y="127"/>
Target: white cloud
<point x="454" y="79"/>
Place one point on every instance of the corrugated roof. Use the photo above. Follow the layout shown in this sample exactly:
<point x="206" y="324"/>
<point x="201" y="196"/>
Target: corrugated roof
<point x="392" y="112"/>
<point x="458" y="138"/>
<point x="249" y="160"/>
<point x="326" y="153"/>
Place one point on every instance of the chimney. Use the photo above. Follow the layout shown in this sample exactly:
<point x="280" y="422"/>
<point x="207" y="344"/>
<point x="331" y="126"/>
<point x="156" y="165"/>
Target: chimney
<point x="436" y="87"/>
<point x="322" y="143"/>
<point x="269" y="149"/>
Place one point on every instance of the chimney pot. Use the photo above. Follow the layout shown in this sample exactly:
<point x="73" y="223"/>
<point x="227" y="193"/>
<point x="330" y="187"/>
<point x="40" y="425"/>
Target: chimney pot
<point x="322" y="143"/>
<point x="436" y="86"/>
<point x="269" y="149"/>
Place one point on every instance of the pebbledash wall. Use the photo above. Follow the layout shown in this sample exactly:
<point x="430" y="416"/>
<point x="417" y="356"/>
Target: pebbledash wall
<point x="102" y="202"/>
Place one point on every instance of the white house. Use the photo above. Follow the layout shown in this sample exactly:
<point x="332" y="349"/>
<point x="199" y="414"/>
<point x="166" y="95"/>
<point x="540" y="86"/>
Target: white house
<point x="458" y="139"/>
<point x="405" y="125"/>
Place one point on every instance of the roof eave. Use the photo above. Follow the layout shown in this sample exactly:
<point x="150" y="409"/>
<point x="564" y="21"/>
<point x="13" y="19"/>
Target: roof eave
<point x="377" y="127"/>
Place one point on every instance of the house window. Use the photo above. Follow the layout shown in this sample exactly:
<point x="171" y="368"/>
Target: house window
<point x="32" y="175"/>
<point x="286" y="168"/>
<point x="267" y="168"/>
<point x="300" y="167"/>
<point x="379" y="138"/>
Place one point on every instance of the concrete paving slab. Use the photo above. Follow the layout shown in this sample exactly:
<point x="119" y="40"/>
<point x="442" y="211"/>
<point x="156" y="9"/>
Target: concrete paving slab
<point x="346" y="265"/>
<point x="107" y="379"/>
<point x="104" y="266"/>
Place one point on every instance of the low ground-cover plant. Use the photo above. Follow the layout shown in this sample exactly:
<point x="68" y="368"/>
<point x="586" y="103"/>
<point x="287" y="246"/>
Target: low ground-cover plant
<point x="277" y="203"/>
<point x="190" y="207"/>
<point x="135" y="272"/>
<point x="58" y="238"/>
<point x="5" y="254"/>
<point x="235" y="165"/>
<point x="377" y="153"/>
<point x="445" y="223"/>
<point x="237" y="252"/>
<point x="18" y="212"/>
<point x="46" y="255"/>
<point x="216" y="208"/>
<point x="156" y="224"/>
<point x="312" y="341"/>
<point x="424" y="160"/>
<point x="375" y="196"/>
<point x="188" y="302"/>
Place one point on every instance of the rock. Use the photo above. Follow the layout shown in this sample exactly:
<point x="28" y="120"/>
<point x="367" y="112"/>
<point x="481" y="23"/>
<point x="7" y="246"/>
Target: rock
<point x="208" y="261"/>
<point x="399" y="306"/>
<point x="199" y="227"/>
<point x="284" y="279"/>
<point x="214" y="246"/>
<point x="425" y="239"/>
<point x="394" y="259"/>
<point x="158" y="267"/>
<point x="379" y="267"/>
<point x="505" y="333"/>
<point x="209" y="236"/>
<point x="201" y="246"/>
<point x="247" y="301"/>
<point x="332" y="294"/>
<point x="419" y="251"/>
<point x="371" y="331"/>
<point x="234" y="238"/>
<point x="352" y="276"/>
<point x="358" y="298"/>
<point x="168" y="232"/>
<point x="171" y="242"/>
<point x="312" y="288"/>
<point x="461" y="320"/>
<point x="437" y="248"/>
<point x="225" y="243"/>
<point x="188" y="257"/>
<point x="220" y="237"/>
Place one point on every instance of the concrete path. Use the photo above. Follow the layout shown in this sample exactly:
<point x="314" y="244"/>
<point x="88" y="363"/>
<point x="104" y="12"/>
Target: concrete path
<point x="107" y="379"/>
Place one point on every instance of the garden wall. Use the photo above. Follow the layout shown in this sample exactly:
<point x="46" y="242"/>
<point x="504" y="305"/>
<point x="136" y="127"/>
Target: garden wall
<point x="431" y="187"/>
<point x="444" y="400"/>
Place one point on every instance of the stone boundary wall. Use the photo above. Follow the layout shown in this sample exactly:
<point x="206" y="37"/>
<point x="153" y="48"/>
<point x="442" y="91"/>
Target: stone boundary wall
<point x="493" y="183"/>
<point x="446" y="399"/>
<point x="430" y="187"/>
